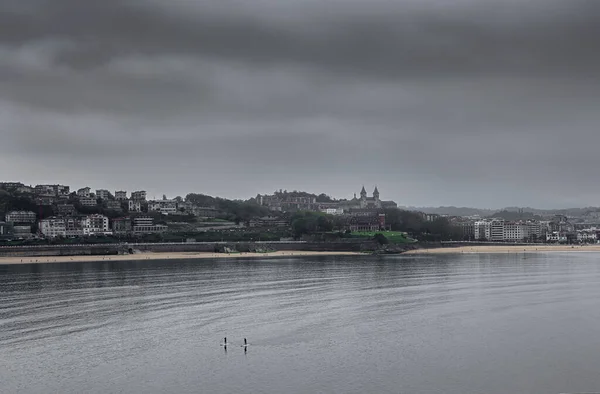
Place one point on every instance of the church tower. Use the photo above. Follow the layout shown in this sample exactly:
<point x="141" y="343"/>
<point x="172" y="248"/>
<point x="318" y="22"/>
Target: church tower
<point x="376" y="194"/>
<point x="363" y="194"/>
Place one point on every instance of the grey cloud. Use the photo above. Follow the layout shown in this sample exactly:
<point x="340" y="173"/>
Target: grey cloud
<point x="468" y="102"/>
<point x="392" y="39"/>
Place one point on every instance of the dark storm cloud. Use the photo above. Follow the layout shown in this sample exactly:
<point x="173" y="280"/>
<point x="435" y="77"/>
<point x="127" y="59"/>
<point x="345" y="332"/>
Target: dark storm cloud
<point x="472" y="98"/>
<point x="378" y="38"/>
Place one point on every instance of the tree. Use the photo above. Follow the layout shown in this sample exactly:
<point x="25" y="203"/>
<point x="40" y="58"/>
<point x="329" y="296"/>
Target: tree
<point x="311" y="222"/>
<point x="381" y="239"/>
<point x="324" y="198"/>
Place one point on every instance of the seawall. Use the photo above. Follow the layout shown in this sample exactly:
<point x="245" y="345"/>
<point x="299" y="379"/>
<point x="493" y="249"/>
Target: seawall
<point x="211" y="247"/>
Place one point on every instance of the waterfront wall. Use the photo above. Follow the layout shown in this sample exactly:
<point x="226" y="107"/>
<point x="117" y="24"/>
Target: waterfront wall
<point x="112" y="249"/>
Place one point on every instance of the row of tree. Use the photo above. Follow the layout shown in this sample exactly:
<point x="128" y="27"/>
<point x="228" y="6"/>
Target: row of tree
<point x="235" y="210"/>
<point x="410" y="222"/>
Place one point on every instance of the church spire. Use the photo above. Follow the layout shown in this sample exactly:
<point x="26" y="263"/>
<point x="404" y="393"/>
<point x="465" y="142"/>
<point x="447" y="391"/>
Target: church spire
<point x="376" y="193"/>
<point x="363" y="192"/>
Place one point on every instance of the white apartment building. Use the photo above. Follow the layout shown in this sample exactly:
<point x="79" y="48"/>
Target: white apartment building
<point x="482" y="229"/>
<point x="95" y="224"/>
<point x="103" y="194"/>
<point x="556" y="236"/>
<point x="121" y="195"/>
<point x="53" y="227"/>
<point x="21" y="217"/>
<point x="590" y="235"/>
<point x="500" y="230"/>
<point x="163" y="206"/>
<point x="135" y="206"/>
<point x="497" y="230"/>
<point x="73" y="227"/>
<point x="515" y="232"/>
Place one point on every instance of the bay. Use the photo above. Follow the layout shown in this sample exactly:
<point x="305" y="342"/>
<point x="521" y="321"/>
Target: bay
<point x="488" y="323"/>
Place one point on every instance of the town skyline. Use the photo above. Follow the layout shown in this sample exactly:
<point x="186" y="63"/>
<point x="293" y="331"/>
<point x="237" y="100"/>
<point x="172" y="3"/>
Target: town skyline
<point x="157" y="194"/>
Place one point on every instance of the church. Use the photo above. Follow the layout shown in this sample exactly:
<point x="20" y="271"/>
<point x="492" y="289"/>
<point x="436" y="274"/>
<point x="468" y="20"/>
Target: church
<point x="369" y="203"/>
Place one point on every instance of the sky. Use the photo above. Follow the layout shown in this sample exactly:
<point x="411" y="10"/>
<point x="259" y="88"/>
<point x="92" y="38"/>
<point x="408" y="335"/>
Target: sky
<point x="467" y="102"/>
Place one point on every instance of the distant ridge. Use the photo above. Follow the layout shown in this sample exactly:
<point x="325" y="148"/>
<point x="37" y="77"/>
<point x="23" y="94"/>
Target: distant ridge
<point x="467" y="211"/>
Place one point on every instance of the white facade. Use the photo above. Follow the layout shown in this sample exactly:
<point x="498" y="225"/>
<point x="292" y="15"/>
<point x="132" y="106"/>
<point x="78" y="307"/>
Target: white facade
<point x="482" y="230"/>
<point x="53" y="227"/>
<point x="587" y="236"/>
<point x="497" y="230"/>
<point x="145" y="225"/>
<point x="556" y="236"/>
<point x="163" y="206"/>
<point x="515" y="232"/>
<point x="135" y="206"/>
<point x="500" y="230"/>
<point x="21" y="217"/>
<point x="95" y="224"/>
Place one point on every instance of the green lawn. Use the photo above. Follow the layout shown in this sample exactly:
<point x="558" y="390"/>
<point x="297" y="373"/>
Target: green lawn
<point x="396" y="237"/>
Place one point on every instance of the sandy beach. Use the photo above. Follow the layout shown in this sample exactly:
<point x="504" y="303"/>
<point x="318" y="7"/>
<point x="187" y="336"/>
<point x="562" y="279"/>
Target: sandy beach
<point x="507" y="249"/>
<point x="163" y="256"/>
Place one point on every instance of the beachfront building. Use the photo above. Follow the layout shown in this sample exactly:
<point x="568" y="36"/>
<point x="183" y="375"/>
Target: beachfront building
<point x="21" y="217"/>
<point x="145" y="225"/>
<point x="22" y="232"/>
<point x="515" y="232"/>
<point x="122" y="226"/>
<point x="556" y="237"/>
<point x="501" y="230"/>
<point x="587" y="236"/>
<point x="73" y="227"/>
<point x="95" y="224"/>
<point x="6" y="230"/>
<point x="52" y="227"/>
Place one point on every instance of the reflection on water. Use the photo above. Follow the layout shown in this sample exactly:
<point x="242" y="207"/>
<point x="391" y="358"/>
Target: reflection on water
<point x="430" y="324"/>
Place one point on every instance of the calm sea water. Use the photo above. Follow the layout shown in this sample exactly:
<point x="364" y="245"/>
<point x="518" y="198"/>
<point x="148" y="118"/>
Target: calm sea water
<point x="422" y="324"/>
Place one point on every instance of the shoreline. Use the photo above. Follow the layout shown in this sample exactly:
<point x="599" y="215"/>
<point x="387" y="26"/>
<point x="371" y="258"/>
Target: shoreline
<point x="481" y="249"/>
<point x="152" y="256"/>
